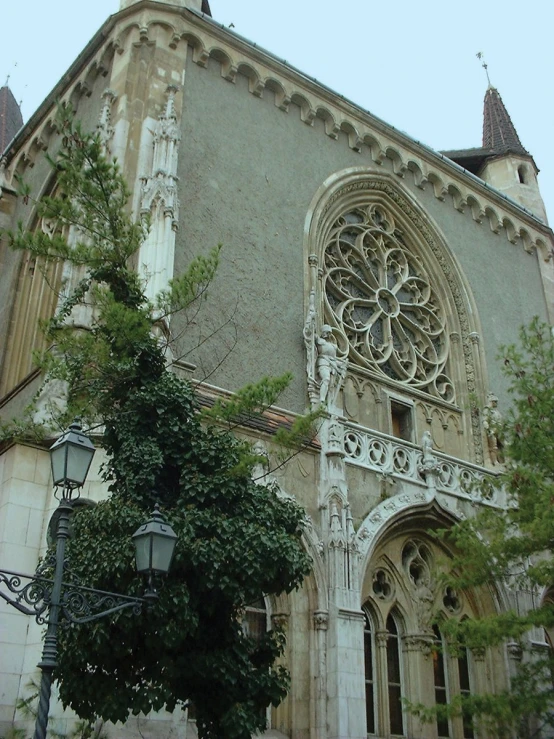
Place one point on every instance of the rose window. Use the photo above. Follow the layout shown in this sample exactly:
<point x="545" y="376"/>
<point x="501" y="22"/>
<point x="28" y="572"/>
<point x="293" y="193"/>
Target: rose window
<point x="379" y="295"/>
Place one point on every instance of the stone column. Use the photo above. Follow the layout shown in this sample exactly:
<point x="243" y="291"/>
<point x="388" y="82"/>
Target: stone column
<point x="319" y="697"/>
<point x="418" y="663"/>
<point x="381" y="680"/>
<point x="282" y="714"/>
<point x="346" y="677"/>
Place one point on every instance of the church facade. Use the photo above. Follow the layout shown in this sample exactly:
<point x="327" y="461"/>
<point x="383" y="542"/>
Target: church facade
<point x="382" y="274"/>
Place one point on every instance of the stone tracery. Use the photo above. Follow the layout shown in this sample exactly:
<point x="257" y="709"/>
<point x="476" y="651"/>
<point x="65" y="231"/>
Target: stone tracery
<point x="379" y="295"/>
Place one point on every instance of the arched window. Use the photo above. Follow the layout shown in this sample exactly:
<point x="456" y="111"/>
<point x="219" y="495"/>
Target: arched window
<point x="383" y="303"/>
<point x="36" y="299"/>
<point x="254" y="623"/>
<point x="369" y="659"/>
<point x="439" y="676"/>
<point x="383" y="662"/>
<point x="465" y="690"/>
<point x="451" y="676"/>
<point x="394" y="678"/>
<point x="407" y="656"/>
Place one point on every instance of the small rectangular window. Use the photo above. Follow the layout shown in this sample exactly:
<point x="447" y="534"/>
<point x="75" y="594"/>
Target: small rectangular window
<point x="401" y="420"/>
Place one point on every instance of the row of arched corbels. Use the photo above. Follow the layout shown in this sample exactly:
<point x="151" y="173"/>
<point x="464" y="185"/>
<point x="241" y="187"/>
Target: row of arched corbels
<point x="41" y="139"/>
<point x="174" y="33"/>
<point x="287" y="92"/>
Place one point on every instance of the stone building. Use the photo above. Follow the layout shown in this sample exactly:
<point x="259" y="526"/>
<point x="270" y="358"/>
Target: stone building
<point x="10" y="117"/>
<point x="384" y="275"/>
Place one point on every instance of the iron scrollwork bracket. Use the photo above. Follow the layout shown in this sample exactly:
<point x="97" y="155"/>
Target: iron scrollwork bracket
<point x="79" y="605"/>
<point x="31" y="598"/>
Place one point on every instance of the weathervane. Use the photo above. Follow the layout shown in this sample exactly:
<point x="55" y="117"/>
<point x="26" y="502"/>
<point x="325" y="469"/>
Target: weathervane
<point x="485" y="66"/>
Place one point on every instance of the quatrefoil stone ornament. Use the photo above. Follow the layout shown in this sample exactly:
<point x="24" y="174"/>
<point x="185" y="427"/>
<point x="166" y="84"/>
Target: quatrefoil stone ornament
<point x="382" y="585"/>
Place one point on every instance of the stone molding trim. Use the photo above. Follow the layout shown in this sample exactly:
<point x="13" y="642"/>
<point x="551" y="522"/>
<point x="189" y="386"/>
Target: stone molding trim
<point x="383" y="516"/>
<point x="358" y="187"/>
<point x="39" y="133"/>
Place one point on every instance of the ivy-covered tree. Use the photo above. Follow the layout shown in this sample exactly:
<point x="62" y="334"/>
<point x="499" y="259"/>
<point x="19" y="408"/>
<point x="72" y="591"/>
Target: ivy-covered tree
<point x="237" y="540"/>
<point x="514" y="548"/>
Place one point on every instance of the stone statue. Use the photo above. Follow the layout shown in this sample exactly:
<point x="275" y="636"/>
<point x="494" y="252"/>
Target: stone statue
<point x="424" y="600"/>
<point x="330" y="369"/>
<point x="325" y="370"/>
<point x="429" y="466"/>
<point x="311" y="353"/>
<point x="427" y="448"/>
<point x="492" y="422"/>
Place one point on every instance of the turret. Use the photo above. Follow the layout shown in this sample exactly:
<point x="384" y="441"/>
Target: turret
<point x="510" y="168"/>
<point x="502" y="161"/>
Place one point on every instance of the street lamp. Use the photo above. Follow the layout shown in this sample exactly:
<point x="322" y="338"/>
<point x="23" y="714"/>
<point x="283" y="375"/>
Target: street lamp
<point x="154" y="546"/>
<point x="70" y="457"/>
<point x="50" y="600"/>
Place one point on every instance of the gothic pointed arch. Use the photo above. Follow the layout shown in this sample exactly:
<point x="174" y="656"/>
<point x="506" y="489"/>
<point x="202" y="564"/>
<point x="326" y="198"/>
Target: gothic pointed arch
<point x="381" y="276"/>
<point x="35" y="299"/>
<point x="406" y="656"/>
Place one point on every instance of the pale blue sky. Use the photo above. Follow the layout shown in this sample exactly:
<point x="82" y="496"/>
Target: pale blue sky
<point x="411" y="63"/>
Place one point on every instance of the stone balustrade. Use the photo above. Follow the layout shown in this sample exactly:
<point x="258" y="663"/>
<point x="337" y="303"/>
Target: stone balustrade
<point x="389" y="455"/>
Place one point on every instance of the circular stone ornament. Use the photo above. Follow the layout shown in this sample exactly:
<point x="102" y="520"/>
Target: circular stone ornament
<point x="379" y="295"/>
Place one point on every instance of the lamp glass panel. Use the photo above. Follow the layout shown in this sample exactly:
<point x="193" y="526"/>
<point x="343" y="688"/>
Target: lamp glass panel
<point x="162" y="553"/>
<point x="57" y="460"/>
<point x="78" y="463"/>
<point x="143" y="552"/>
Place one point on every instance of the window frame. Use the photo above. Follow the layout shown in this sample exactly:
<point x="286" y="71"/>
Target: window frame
<point x="380" y="641"/>
<point x="405" y="412"/>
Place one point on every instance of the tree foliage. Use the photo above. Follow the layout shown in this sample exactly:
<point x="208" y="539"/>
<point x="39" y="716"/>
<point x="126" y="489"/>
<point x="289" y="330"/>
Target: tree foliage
<point x="237" y="540"/>
<point x="512" y="549"/>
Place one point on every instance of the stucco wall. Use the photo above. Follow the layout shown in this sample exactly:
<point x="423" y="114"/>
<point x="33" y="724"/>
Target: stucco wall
<point x="248" y="174"/>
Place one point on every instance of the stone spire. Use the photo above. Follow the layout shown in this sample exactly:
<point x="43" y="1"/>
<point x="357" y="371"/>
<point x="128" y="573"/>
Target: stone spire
<point x="499" y="133"/>
<point x="508" y="166"/>
<point x="11" y="119"/>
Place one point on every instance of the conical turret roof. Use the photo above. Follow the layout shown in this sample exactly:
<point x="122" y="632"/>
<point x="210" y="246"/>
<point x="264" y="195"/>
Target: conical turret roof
<point x="499" y="137"/>
<point x="11" y="119"/>
<point x="499" y="133"/>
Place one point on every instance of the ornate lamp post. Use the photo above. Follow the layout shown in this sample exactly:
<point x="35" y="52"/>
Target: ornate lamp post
<point x="52" y="600"/>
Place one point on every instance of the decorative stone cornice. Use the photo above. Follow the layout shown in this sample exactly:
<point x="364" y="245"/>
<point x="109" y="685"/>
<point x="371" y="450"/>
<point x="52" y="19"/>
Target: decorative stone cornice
<point x="104" y="126"/>
<point x="515" y="651"/>
<point x="280" y="620"/>
<point x="418" y="643"/>
<point x="321" y="620"/>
